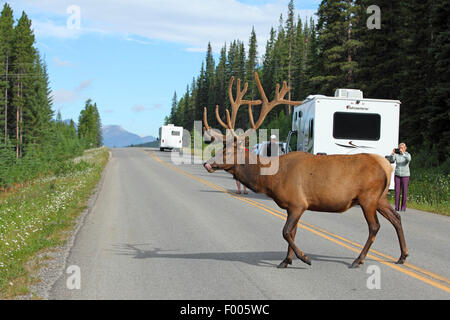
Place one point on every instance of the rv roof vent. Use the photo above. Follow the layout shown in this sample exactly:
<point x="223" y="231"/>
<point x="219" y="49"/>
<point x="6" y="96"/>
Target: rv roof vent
<point x="170" y="125"/>
<point x="312" y="96"/>
<point x="348" y="93"/>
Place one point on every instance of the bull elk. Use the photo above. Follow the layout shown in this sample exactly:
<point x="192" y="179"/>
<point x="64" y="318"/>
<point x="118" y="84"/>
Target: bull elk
<point x="332" y="183"/>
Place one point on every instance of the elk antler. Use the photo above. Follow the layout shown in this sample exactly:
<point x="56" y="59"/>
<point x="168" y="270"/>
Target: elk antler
<point x="266" y="105"/>
<point x="235" y="105"/>
<point x="207" y="129"/>
<point x="238" y="101"/>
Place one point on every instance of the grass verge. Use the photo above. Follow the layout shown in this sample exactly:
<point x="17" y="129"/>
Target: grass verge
<point x="428" y="191"/>
<point x="40" y="215"/>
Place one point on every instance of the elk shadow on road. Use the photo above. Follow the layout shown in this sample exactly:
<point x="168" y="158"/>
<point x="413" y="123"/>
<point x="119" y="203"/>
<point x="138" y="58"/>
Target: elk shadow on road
<point x="255" y="258"/>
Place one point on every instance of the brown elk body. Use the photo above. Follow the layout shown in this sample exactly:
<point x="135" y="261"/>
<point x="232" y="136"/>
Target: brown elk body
<point x="304" y="181"/>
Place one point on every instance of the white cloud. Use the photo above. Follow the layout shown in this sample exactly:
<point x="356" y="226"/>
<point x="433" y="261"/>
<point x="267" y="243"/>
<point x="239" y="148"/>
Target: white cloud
<point x="49" y="29"/>
<point x="62" y="63"/>
<point x="63" y="96"/>
<point x="83" y="85"/>
<point x="156" y="106"/>
<point x="138" y="108"/>
<point x="66" y="96"/>
<point x="192" y="23"/>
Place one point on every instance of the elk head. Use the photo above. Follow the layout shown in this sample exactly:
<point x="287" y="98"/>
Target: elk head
<point x="233" y="144"/>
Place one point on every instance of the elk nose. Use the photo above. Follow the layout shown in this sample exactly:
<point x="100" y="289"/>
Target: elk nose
<point x="207" y="166"/>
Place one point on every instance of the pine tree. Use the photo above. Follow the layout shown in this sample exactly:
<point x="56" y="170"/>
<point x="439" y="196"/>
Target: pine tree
<point x="281" y="59"/>
<point x="194" y="91"/>
<point x="89" y="125"/>
<point x="201" y="100"/>
<point x="98" y="127"/>
<point x="173" y="109"/>
<point x="251" y="66"/>
<point x="22" y="61"/>
<point x="209" y="85"/>
<point x="38" y="113"/>
<point x="336" y="46"/>
<point x="221" y="78"/>
<point x="179" y="114"/>
<point x="415" y="70"/>
<point x="439" y="92"/>
<point x="291" y="48"/>
<point x="241" y="119"/>
<point x="188" y="114"/>
<point x="312" y="67"/>
<point x="351" y="44"/>
<point x="6" y="45"/>
<point x="268" y="68"/>
<point x="299" y="62"/>
<point x="378" y="74"/>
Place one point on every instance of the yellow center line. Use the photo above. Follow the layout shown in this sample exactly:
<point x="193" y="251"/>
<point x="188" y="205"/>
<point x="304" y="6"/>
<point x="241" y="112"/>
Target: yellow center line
<point x="326" y="234"/>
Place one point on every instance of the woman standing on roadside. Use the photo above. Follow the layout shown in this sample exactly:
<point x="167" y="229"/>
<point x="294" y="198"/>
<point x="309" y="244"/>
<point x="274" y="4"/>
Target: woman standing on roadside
<point x="401" y="179"/>
<point x="241" y="147"/>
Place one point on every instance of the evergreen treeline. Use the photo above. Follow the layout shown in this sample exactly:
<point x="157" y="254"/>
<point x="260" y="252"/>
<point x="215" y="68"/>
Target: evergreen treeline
<point x="407" y="59"/>
<point x="90" y="126"/>
<point x="31" y="141"/>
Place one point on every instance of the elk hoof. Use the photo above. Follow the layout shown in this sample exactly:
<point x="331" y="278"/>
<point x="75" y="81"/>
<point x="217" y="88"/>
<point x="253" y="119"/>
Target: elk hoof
<point x="401" y="260"/>
<point x="356" y="264"/>
<point x="284" y="263"/>
<point x="306" y="260"/>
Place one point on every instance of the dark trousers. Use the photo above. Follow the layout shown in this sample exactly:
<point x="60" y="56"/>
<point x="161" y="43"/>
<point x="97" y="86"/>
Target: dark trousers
<point x="401" y="184"/>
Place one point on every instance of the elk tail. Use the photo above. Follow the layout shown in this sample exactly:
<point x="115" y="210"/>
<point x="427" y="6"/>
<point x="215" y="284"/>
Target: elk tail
<point x="387" y="168"/>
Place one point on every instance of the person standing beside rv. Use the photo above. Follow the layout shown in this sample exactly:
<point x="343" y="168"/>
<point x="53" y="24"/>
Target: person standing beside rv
<point x="402" y="174"/>
<point x="238" y="183"/>
<point x="272" y="146"/>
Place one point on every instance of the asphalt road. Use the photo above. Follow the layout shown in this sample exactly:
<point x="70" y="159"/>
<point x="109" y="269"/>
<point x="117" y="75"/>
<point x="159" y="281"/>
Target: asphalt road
<point x="162" y="231"/>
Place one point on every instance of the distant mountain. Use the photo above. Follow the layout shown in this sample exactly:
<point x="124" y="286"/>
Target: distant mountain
<point x="116" y="137"/>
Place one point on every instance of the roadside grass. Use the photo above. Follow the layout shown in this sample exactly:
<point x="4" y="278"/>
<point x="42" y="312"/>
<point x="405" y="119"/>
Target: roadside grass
<point x="40" y="215"/>
<point x="428" y="191"/>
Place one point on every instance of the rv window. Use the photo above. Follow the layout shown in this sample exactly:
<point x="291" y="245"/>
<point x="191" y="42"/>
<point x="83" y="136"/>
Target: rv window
<point x="358" y="126"/>
<point x="175" y="133"/>
<point x="311" y="128"/>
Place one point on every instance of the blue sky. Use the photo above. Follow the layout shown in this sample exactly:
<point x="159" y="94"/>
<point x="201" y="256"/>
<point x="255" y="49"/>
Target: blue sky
<point x="130" y="56"/>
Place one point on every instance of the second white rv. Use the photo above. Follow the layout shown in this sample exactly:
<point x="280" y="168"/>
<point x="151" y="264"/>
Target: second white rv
<point x="170" y="137"/>
<point x="346" y="124"/>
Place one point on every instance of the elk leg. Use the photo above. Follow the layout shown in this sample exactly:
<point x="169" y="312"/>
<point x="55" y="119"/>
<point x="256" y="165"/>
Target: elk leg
<point x="370" y="213"/>
<point x="291" y="224"/>
<point x="386" y="210"/>
<point x="290" y="253"/>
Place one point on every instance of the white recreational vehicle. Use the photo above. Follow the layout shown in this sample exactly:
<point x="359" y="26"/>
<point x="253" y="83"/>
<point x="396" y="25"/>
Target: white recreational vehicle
<point x="346" y="124"/>
<point x="170" y="137"/>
